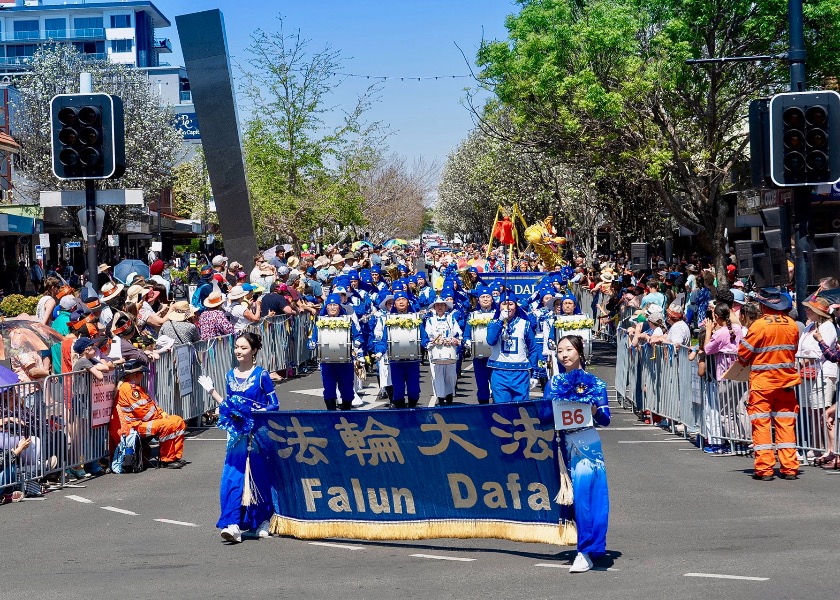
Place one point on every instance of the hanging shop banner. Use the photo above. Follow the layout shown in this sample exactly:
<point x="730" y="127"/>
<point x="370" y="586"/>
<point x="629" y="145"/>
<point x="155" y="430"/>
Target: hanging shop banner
<point x="463" y="472"/>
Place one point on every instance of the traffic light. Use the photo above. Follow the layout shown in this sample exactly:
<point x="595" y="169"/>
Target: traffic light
<point x="802" y="128"/>
<point x="88" y="136"/>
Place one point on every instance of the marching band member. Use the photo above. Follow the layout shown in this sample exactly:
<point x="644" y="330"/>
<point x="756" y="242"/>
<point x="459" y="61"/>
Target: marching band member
<point x="376" y="277"/>
<point x="382" y="363"/>
<point x="442" y="330"/>
<point x="425" y="293"/>
<point x="582" y="451"/>
<point x="514" y="352"/>
<point x="541" y="321"/>
<point x="485" y="309"/>
<point x="338" y="375"/>
<point x="405" y="374"/>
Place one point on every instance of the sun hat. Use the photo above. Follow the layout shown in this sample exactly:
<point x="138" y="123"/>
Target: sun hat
<point x="219" y="260"/>
<point x="237" y="292"/>
<point x="337" y="259"/>
<point x="134" y="293"/>
<point x="164" y="343"/>
<point x="94" y="305"/>
<point x="774" y="299"/>
<point x="321" y="262"/>
<point x="819" y="305"/>
<point x="738" y="296"/>
<point x="122" y="322"/>
<point x="111" y="290"/>
<point x="180" y="311"/>
<point x="607" y="277"/>
<point x="152" y="295"/>
<point x="214" y="300"/>
<point x="384" y="300"/>
<point x="654" y="313"/>
<point x="440" y="300"/>
<point x="102" y="268"/>
<point x="293" y="262"/>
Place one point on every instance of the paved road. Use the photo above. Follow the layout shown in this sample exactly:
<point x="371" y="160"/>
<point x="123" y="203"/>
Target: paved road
<point x="675" y="511"/>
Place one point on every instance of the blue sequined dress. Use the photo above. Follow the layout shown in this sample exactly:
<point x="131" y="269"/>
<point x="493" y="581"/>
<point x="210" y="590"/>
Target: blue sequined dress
<point x="254" y="393"/>
<point x="585" y="459"/>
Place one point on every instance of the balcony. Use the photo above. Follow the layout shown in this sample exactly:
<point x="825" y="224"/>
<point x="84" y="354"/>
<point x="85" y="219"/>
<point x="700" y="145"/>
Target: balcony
<point x="163" y="46"/>
<point x="186" y="97"/>
<point x="54" y="34"/>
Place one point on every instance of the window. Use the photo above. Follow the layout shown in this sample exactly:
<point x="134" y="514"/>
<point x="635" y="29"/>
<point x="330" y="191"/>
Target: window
<point x="88" y="26"/>
<point x="122" y="45"/>
<point x="120" y="21"/>
<point x="26" y="30"/>
<point x="55" y="28"/>
<point x="94" y="48"/>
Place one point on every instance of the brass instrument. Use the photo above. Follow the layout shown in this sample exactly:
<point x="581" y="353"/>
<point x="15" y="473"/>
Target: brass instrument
<point x="393" y="272"/>
<point x="466" y="282"/>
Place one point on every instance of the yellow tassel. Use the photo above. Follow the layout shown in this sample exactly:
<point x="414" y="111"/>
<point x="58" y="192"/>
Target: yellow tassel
<point x="566" y="495"/>
<point x="562" y="534"/>
<point x="250" y="492"/>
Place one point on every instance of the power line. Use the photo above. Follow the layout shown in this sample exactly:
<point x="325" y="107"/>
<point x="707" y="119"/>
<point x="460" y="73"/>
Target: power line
<point x="401" y="77"/>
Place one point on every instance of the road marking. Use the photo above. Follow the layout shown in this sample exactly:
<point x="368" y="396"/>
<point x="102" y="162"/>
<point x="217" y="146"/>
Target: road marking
<point x="432" y="401"/>
<point x="373" y="405"/>
<point x="623" y="429"/>
<point x="436" y="557"/>
<point x="650" y="441"/>
<point x="79" y="499"/>
<point x="719" y="576"/>
<point x="122" y="511"/>
<point x="171" y="522"/>
<point x="469" y="367"/>
<point x="557" y="566"/>
<point x="332" y="545"/>
<point x="313" y="392"/>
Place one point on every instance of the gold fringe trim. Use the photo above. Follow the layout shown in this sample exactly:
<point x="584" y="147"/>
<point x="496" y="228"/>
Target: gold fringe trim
<point x="563" y="534"/>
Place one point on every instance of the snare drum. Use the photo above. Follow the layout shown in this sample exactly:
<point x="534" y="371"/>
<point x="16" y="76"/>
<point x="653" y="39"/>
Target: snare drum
<point x="443" y="355"/>
<point x="334" y="344"/>
<point x="403" y="344"/>
<point x="480" y="347"/>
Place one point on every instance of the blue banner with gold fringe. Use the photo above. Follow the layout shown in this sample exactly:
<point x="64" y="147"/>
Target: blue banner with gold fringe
<point x="461" y="472"/>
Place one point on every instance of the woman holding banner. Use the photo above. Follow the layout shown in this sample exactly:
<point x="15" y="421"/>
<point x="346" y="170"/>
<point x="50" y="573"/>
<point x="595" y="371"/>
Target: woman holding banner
<point x="585" y="482"/>
<point x="249" y="389"/>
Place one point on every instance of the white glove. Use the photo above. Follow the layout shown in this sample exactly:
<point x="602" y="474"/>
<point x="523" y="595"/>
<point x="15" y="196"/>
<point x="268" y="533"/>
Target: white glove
<point x="534" y="382"/>
<point x="205" y="382"/>
<point x="357" y="344"/>
<point x="312" y="345"/>
<point x="503" y="315"/>
<point x="378" y="355"/>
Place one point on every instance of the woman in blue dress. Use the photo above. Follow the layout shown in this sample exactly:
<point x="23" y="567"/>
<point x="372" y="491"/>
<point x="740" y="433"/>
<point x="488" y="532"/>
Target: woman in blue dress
<point x="582" y="451"/>
<point x="249" y="389"/>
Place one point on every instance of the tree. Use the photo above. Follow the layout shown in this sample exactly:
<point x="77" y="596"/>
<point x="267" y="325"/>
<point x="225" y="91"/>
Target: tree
<point x="603" y="83"/>
<point x="303" y="172"/>
<point x="191" y="189"/>
<point x="152" y="143"/>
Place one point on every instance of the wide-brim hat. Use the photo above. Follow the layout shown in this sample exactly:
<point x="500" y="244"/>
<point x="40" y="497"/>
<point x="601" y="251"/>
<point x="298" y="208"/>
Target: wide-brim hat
<point x="293" y="262"/>
<point x="237" y="292"/>
<point x="321" y="262"/>
<point x="440" y="300"/>
<point x="135" y="292"/>
<point x="774" y="299"/>
<point x="607" y="277"/>
<point x="180" y="311"/>
<point x="214" y="300"/>
<point x="109" y="291"/>
<point x="337" y="259"/>
<point x="384" y="300"/>
<point x="102" y="268"/>
<point x="821" y="306"/>
<point x="126" y="323"/>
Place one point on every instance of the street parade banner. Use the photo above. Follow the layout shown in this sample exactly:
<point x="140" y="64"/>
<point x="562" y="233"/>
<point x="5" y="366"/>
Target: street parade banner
<point x="523" y="284"/>
<point x="461" y="472"/>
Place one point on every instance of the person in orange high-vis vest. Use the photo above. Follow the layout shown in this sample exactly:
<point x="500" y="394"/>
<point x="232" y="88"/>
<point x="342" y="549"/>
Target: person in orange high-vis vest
<point x="135" y="409"/>
<point x="769" y="348"/>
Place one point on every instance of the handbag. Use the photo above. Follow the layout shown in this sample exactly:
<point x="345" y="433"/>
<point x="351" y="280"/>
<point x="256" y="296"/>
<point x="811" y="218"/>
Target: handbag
<point x="808" y="372"/>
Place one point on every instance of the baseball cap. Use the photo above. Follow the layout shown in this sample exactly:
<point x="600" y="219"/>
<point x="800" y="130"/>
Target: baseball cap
<point x="219" y="260"/>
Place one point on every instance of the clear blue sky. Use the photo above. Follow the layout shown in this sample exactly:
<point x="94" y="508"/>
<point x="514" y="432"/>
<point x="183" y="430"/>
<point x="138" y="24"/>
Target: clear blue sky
<point x="397" y="37"/>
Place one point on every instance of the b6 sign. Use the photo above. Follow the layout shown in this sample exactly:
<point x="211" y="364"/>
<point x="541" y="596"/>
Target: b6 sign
<point x="571" y="415"/>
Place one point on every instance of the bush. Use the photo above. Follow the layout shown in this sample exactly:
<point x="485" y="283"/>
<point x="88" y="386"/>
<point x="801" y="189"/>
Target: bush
<point x="16" y="304"/>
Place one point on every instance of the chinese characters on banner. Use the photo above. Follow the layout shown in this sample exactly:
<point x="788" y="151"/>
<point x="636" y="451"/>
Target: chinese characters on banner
<point x="472" y="471"/>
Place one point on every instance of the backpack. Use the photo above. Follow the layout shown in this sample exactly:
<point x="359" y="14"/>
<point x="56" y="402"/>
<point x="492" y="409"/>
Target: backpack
<point x="197" y="300"/>
<point x="128" y="457"/>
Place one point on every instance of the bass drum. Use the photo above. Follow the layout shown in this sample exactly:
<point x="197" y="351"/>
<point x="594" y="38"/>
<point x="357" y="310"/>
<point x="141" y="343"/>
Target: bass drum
<point x="443" y="355"/>
<point x="404" y="344"/>
<point x="480" y="347"/>
<point x="334" y="345"/>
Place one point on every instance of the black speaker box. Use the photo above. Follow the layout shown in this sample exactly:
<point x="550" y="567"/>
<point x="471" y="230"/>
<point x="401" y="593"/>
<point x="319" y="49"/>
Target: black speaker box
<point x="640" y="256"/>
<point x="825" y="257"/>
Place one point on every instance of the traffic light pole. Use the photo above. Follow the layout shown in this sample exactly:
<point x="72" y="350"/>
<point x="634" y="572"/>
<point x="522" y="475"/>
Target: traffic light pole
<point x="90" y="208"/>
<point x="801" y="193"/>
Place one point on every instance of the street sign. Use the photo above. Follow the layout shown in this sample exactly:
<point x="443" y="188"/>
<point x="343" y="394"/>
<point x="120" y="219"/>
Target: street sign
<point x="100" y="222"/>
<point x="44" y="238"/>
<point x="103" y="197"/>
<point x="114" y="241"/>
<point x="73" y="245"/>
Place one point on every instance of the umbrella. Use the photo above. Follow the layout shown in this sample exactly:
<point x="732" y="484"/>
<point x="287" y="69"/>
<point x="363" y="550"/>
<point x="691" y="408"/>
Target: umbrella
<point x="270" y="253"/>
<point x="359" y="244"/>
<point x="7" y="377"/>
<point x="395" y="242"/>
<point x="129" y="266"/>
<point x="19" y="336"/>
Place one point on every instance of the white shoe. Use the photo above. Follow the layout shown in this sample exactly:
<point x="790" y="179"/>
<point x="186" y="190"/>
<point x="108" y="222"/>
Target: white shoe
<point x="232" y="534"/>
<point x="262" y="532"/>
<point x="582" y="563"/>
<point x="357" y="401"/>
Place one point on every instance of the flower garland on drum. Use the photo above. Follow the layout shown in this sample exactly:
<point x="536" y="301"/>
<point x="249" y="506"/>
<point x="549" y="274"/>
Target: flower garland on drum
<point x="481" y="321"/>
<point x="577" y="323"/>
<point x="409" y="322"/>
<point x="333" y="323"/>
<point x="235" y="415"/>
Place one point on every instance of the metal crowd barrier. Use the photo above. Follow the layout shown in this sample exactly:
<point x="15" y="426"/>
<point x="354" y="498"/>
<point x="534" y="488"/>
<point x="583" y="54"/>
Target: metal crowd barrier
<point x="63" y="414"/>
<point x="660" y="381"/>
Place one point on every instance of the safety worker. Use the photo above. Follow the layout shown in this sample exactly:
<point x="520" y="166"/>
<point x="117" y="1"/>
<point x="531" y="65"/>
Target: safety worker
<point x="135" y="409"/>
<point x="513" y="356"/>
<point x="769" y="349"/>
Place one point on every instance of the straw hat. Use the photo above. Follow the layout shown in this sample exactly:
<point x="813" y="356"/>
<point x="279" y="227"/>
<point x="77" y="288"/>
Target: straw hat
<point x="110" y="291"/>
<point x="180" y="311"/>
<point x="214" y="300"/>
<point x="103" y="267"/>
<point x="821" y="306"/>
<point x="607" y="276"/>
<point x="122" y="322"/>
<point x="134" y="294"/>
<point x="236" y="293"/>
<point x="337" y="259"/>
<point x="321" y="262"/>
<point x="293" y="262"/>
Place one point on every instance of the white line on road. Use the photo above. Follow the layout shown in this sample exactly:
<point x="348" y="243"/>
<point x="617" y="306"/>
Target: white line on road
<point x="558" y="566"/>
<point x="469" y="367"/>
<point x="432" y="401"/>
<point x="332" y="545"/>
<point x="122" y="511"/>
<point x="651" y="441"/>
<point x="622" y="429"/>
<point x="373" y="405"/>
<point x="171" y="522"/>
<point x="79" y="499"/>
<point x="436" y="557"/>
<point x="719" y="576"/>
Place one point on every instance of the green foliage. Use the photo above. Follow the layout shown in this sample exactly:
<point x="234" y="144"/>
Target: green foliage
<point x="16" y="304"/>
